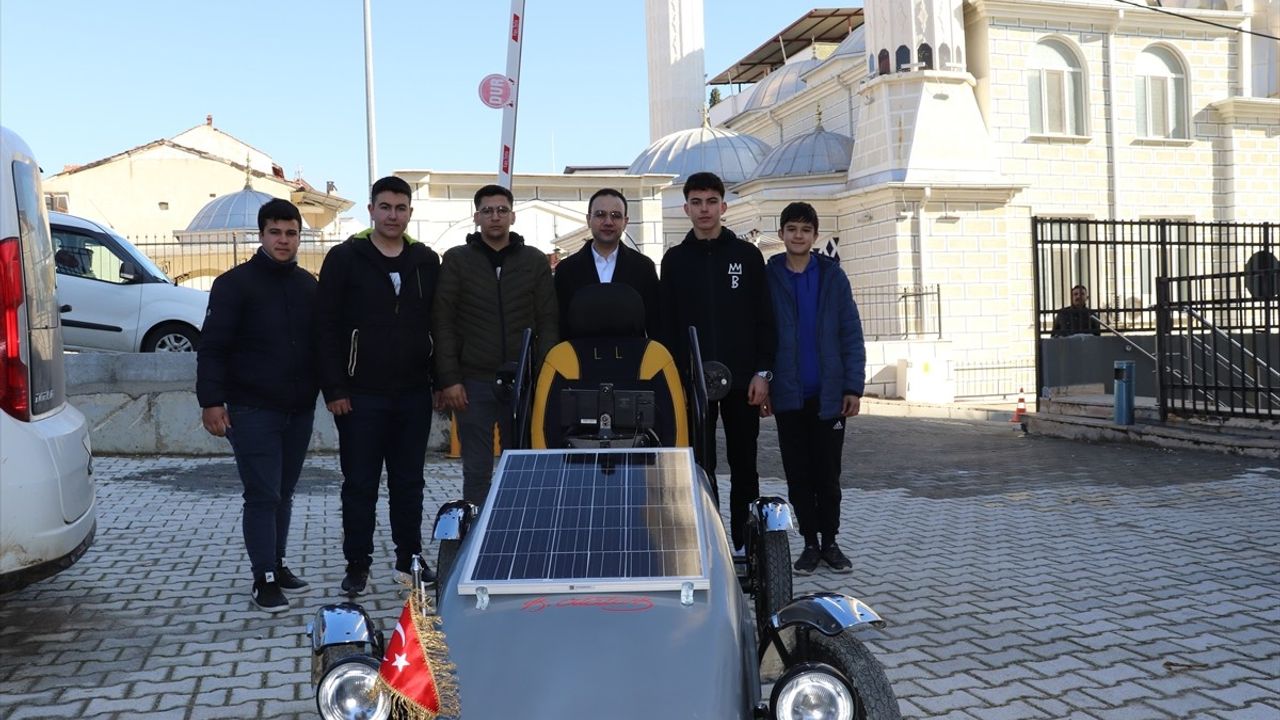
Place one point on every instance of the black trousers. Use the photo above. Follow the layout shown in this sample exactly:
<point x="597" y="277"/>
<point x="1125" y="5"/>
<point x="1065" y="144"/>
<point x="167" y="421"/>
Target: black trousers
<point x="811" y="449"/>
<point x="383" y="429"/>
<point x="741" y="430"/>
<point x="270" y="447"/>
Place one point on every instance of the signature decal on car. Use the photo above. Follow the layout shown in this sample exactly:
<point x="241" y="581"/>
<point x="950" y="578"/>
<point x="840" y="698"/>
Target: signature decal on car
<point x="608" y="603"/>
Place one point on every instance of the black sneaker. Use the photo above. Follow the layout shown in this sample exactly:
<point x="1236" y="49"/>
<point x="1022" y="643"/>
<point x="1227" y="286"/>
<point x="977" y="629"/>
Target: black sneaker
<point x="808" y="560"/>
<point x="287" y="580"/>
<point x="832" y="556"/>
<point x="404" y="570"/>
<point x="266" y="593"/>
<point x="354" y="581"/>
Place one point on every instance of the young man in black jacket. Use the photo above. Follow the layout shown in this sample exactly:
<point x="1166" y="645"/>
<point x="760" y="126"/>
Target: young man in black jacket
<point x="373" y="323"/>
<point x="256" y="385"/>
<point x="716" y="282"/>
<point x="606" y="259"/>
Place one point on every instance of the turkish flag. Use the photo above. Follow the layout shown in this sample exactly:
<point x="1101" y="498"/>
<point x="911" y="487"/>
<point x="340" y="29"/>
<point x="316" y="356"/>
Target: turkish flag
<point x="407" y="671"/>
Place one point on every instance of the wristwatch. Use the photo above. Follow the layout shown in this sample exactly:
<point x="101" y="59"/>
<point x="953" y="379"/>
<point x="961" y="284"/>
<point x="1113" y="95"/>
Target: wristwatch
<point x="766" y="375"/>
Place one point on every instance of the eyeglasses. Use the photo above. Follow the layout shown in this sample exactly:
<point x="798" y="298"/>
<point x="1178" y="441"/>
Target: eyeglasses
<point x="500" y="211"/>
<point x="601" y="214"/>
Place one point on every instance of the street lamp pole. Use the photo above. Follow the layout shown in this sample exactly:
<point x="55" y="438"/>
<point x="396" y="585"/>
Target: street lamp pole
<point x="368" y="95"/>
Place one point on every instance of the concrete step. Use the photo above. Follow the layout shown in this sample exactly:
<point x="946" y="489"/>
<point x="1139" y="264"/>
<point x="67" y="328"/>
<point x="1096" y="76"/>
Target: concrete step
<point x="1098" y="406"/>
<point x="1160" y="435"/>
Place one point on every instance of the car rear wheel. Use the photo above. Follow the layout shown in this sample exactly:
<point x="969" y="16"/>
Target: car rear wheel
<point x="873" y="697"/>
<point x="772" y="576"/>
<point x="171" y="337"/>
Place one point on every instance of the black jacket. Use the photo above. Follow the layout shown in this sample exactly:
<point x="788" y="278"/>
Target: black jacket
<point x="633" y="268"/>
<point x="482" y="313"/>
<point x="255" y="347"/>
<point x="368" y="339"/>
<point x="718" y="286"/>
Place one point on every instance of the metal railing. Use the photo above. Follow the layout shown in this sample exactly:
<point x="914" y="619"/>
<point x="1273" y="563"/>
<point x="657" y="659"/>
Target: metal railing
<point x="894" y="312"/>
<point x="1217" y="341"/>
<point x="195" y="264"/>
<point x="1119" y="261"/>
<point x="995" y="379"/>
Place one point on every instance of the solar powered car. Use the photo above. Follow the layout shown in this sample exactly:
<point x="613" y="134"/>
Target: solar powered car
<point x="596" y="580"/>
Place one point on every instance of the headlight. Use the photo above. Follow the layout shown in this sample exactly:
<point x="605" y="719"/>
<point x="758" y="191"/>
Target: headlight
<point x="812" y="691"/>
<point x="349" y="691"/>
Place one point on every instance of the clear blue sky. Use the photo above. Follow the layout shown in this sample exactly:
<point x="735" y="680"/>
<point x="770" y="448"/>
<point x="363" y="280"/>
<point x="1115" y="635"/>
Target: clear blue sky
<point x="84" y="79"/>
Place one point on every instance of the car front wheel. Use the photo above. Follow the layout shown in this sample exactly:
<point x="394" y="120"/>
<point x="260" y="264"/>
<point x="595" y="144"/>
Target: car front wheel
<point x="171" y="337"/>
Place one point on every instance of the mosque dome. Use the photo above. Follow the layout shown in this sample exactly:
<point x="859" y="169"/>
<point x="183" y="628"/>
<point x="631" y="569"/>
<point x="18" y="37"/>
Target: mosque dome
<point x="731" y="155"/>
<point x="779" y="85"/>
<point x="820" y="152"/>
<point x="855" y="43"/>
<point x="237" y="211"/>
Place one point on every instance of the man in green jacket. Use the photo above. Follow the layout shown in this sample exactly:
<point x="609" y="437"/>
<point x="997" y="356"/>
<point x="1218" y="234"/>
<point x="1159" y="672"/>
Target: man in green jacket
<point x="490" y="290"/>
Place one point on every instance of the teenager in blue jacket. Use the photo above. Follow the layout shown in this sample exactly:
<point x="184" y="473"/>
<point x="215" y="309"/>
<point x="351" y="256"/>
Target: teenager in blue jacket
<point x="818" y="377"/>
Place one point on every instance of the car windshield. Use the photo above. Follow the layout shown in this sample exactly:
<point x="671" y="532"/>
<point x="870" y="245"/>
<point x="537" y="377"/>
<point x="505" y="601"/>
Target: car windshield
<point x="147" y="263"/>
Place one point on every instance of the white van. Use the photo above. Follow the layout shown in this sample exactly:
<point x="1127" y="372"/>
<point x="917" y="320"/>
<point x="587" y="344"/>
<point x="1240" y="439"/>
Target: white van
<point x="47" y="518"/>
<point x="115" y="298"/>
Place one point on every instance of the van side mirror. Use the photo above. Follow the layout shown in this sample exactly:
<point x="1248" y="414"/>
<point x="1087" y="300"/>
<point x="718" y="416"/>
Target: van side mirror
<point x="129" y="271"/>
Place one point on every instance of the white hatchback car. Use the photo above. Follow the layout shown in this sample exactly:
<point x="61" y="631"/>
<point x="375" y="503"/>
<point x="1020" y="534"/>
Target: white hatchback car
<point x="47" y="517"/>
<point x="115" y="298"/>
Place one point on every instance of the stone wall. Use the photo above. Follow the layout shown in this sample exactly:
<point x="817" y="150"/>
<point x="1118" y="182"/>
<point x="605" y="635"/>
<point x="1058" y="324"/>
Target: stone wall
<point x="145" y="404"/>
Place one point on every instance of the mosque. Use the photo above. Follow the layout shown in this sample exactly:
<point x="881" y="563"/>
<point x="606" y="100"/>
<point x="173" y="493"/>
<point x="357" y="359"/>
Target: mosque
<point x="928" y="134"/>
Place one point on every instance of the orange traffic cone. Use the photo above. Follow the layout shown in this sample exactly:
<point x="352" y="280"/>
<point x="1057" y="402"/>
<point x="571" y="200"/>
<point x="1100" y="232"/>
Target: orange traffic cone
<point x="1020" y="413"/>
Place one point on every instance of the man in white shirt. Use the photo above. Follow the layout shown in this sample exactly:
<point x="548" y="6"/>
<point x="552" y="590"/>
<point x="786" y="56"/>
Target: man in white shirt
<point x="606" y="259"/>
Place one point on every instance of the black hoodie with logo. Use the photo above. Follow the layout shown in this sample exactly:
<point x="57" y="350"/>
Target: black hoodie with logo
<point x="718" y="286"/>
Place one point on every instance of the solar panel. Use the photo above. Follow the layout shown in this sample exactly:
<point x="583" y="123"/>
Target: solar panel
<point x="574" y="520"/>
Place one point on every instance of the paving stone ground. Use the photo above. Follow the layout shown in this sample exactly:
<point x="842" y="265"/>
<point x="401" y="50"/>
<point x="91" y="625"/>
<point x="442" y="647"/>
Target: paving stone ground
<point x="1022" y="578"/>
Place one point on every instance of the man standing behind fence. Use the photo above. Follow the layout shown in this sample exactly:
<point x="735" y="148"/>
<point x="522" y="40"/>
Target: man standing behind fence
<point x="374" y="336"/>
<point x="1076" y="318"/>
<point x="817" y="380"/>
<point x="256" y="385"/>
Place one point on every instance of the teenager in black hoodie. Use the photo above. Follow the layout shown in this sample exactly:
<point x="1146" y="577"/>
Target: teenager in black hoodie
<point x="715" y="282"/>
<point x="373" y="321"/>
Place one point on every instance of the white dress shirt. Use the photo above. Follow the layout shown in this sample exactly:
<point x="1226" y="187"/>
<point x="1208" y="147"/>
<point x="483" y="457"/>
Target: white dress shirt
<point x="605" y="265"/>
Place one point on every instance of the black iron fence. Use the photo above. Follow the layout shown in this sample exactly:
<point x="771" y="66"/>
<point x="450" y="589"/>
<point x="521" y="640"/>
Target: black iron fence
<point x="894" y="312"/>
<point x="196" y="264"/>
<point x="1118" y="262"/>
<point x="995" y="379"/>
<point x="1217" y="343"/>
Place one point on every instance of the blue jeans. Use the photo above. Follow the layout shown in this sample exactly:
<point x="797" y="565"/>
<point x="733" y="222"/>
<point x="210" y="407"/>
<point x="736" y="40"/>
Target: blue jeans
<point x="391" y="430"/>
<point x="270" y="447"/>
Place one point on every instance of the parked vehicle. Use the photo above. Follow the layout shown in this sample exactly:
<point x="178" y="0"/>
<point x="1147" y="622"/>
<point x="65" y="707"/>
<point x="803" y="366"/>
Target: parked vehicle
<point x="597" y="580"/>
<point x="47" y="518"/>
<point x="115" y="298"/>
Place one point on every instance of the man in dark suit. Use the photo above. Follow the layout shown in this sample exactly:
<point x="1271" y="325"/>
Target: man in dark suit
<point x="605" y="259"/>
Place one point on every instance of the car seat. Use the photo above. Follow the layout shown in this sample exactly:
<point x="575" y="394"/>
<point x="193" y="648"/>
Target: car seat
<point x="611" y="386"/>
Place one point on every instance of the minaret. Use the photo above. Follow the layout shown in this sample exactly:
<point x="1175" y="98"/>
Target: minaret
<point x="920" y="121"/>
<point x="677" y="65"/>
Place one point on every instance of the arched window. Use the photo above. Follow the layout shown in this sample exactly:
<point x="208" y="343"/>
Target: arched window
<point x="925" y="53"/>
<point x="1161" y="95"/>
<point x="902" y="58"/>
<point x="944" y="57"/>
<point x="871" y="65"/>
<point x="1055" y="90"/>
<point x="883" y="58"/>
<point x="960" y="58"/>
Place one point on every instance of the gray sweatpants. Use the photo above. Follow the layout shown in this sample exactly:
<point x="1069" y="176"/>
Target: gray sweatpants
<point x="475" y="432"/>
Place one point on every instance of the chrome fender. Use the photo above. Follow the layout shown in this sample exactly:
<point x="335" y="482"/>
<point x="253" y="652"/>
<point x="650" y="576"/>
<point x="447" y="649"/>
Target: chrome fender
<point x="827" y="612"/>
<point x="454" y="519"/>
<point x="342" y="624"/>
<point x="773" y="513"/>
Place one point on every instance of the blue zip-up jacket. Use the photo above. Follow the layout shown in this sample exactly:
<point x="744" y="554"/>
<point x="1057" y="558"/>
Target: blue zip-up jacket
<point x="842" y="355"/>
